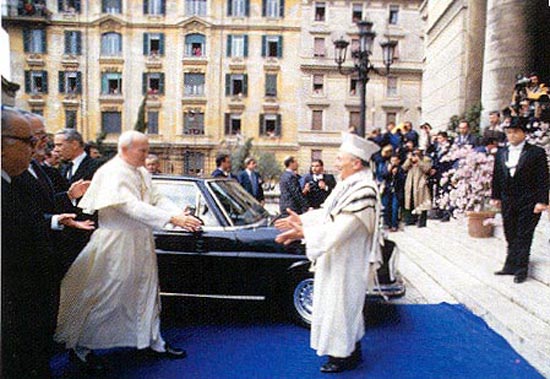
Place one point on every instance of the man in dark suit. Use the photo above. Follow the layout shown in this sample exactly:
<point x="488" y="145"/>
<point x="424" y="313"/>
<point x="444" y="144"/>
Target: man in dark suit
<point x="223" y="167"/>
<point x="316" y="185"/>
<point x="464" y="136"/>
<point x="520" y="186"/>
<point x="289" y="185"/>
<point x="251" y="180"/>
<point x="28" y="264"/>
<point x="79" y="168"/>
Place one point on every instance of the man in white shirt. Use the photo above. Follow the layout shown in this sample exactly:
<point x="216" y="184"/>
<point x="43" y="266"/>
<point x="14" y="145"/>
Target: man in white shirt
<point x="520" y="187"/>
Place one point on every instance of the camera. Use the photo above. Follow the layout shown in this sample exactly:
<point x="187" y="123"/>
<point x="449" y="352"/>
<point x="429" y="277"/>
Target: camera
<point x="522" y="81"/>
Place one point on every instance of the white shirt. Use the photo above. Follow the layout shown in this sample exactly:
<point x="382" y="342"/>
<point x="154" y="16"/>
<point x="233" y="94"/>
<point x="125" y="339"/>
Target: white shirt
<point x="76" y="162"/>
<point x="514" y="153"/>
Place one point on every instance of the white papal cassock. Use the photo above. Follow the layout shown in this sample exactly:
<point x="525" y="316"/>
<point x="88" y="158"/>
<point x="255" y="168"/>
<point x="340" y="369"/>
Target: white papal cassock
<point x="110" y="295"/>
<point x="341" y="248"/>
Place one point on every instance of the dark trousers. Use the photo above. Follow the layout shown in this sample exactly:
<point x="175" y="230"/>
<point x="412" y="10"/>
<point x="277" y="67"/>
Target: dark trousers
<point x="390" y="201"/>
<point x="519" y="226"/>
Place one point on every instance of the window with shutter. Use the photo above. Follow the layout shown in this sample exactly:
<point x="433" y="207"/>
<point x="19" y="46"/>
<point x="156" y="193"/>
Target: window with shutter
<point x="356" y="12"/>
<point x="70" y="119"/>
<point x="195" y="45"/>
<point x="270" y="125"/>
<point x="354" y="119"/>
<point x="237" y="46"/>
<point x="318" y="84"/>
<point x="193" y="123"/>
<point x="271" y="84"/>
<point x="152" y="122"/>
<point x="320" y="11"/>
<point x="193" y="84"/>
<point x="195" y="7"/>
<point x="237" y="8"/>
<point x="272" y="46"/>
<point x="111" y="122"/>
<point x="319" y="47"/>
<point x="272" y="8"/>
<point x="111" y="83"/>
<point x="111" y="44"/>
<point x="232" y="123"/>
<point x="317" y="120"/>
<point x="111" y="6"/>
<point x="72" y="42"/>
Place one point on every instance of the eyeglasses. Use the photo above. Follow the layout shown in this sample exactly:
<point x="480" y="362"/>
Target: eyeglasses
<point x="31" y="141"/>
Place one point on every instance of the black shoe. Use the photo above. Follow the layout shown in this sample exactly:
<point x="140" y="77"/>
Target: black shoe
<point x="335" y="365"/>
<point x="504" y="272"/>
<point x="169" y="353"/>
<point x="520" y="278"/>
<point x="93" y="364"/>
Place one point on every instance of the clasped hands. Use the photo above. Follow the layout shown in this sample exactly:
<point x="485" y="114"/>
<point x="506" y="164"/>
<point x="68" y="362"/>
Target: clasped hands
<point x="291" y="227"/>
<point x="539" y="207"/>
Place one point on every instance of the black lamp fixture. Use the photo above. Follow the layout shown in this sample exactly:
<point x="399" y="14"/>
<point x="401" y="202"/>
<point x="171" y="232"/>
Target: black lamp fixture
<point x="362" y="64"/>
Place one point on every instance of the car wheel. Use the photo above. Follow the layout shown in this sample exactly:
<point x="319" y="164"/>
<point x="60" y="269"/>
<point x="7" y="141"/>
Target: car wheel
<point x="302" y="301"/>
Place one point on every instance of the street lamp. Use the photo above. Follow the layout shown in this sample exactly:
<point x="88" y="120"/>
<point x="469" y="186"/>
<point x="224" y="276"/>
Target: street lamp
<point x="362" y="64"/>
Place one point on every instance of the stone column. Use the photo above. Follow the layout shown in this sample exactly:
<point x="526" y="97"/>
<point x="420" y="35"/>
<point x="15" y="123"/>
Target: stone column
<point x="508" y="52"/>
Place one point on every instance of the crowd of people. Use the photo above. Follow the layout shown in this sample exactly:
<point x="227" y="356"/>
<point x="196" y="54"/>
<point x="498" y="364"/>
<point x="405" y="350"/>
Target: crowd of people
<point x="57" y="263"/>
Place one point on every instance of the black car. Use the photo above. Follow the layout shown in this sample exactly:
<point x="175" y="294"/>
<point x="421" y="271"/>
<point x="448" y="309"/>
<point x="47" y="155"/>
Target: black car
<point x="235" y="256"/>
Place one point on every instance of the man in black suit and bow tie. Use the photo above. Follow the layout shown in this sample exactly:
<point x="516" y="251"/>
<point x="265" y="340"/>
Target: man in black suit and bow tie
<point x="520" y="186"/>
<point x="79" y="168"/>
<point x="251" y="180"/>
<point x="316" y="185"/>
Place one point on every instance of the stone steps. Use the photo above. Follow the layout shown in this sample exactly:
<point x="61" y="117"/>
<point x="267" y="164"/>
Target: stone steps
<point x="442" y="263"/>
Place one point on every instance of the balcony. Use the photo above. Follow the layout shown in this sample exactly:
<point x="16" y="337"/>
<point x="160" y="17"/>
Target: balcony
<point x="20" y="12"/>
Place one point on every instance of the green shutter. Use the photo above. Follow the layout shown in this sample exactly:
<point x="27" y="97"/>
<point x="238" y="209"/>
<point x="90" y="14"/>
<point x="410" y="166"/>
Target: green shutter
<point x="78" y="42"/>
<point x="67" y="42"/>
<point x="79" y="82"/>
<point x="226" y="122"/>
<point x="163" y="6"/>
<point x="245" y="85"/>
<point x="247" y="8"/>
<point x="245" y="52"/>
<point x="26" y="40"/>
<point x="262" y="130"/>
<point x="27" y="82"/>
<point x="61" y="81"/>
<point x="59" y="5"/>
<point x="144" y="83"/>
<point x="229" y="43"/>
<point x="44" y="42"/>
<point x="44" y="81"/>
<point x="145" y="43"/>
<point x="77" y="6"/>
<point x="281" y="8"/>
<point x="145" y="7"/>
<point x="264" y="44"/>
<point x="161" y="83"/>
<point x="227" y="84"/>
<point x="104" y="84"/>
<point x="279" y="126"/>
<point x="230" y="7"/>
<point x="280" y="47"/>
<point x="264" y="8"/>
<point x="161" y="43"/>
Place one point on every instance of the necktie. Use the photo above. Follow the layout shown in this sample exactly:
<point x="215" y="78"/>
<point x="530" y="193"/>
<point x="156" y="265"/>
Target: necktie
<point x="70" y="171"/>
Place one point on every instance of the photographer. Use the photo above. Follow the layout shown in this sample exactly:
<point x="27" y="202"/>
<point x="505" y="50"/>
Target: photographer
<point x="417" y="194"/>
<point x="316" y="186"/>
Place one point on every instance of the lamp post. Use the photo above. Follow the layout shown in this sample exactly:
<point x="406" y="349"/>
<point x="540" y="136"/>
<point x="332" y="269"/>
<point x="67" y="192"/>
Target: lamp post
<point x="362" y="64"/>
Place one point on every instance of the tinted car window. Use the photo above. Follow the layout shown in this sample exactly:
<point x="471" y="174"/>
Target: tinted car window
<point x="241" y="208"/>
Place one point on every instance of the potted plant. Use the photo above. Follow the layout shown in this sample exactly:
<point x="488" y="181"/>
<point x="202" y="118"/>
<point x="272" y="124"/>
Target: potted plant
<point x="469" y="184"/>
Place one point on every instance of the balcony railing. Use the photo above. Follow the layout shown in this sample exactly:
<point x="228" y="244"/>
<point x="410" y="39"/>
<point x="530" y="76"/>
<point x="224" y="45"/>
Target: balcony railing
<point x="33" y="9"/>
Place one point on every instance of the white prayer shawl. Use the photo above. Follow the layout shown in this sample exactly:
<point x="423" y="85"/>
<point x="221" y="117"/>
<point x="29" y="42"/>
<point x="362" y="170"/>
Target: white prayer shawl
<point x="345" y="258"/>
<point x="110" y="295"/>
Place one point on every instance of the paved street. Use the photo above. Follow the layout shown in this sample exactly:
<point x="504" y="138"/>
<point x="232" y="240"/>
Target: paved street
<point x="441" y="263"/>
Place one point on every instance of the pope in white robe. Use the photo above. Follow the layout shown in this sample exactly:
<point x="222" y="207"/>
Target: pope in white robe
<point x="110" y="295"/>
<point x="341" y="239"/>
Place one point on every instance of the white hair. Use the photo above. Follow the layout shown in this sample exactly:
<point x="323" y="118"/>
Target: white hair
<point x="127" y="138"/>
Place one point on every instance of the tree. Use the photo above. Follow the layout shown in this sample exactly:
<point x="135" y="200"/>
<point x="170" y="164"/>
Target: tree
<point x="239" y="153"/>
<point x="141" y="123"/>
<point x="269" y="168"/>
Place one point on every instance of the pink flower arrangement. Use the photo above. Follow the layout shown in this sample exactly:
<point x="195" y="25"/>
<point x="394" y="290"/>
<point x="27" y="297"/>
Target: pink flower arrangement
<point x="469" y="179"/>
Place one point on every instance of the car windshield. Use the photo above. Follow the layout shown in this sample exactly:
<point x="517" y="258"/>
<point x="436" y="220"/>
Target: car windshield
<point x="239" y="205"/>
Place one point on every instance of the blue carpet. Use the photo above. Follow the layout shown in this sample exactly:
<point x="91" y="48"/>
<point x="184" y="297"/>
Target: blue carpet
<point x="402" y="341"/>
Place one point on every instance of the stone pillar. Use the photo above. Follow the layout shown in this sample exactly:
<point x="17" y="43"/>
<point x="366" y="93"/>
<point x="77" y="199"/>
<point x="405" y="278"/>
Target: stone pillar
<point x="508" y="52"/>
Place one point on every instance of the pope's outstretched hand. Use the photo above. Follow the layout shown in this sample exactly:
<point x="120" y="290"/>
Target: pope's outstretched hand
<point x="187" y="221"/>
